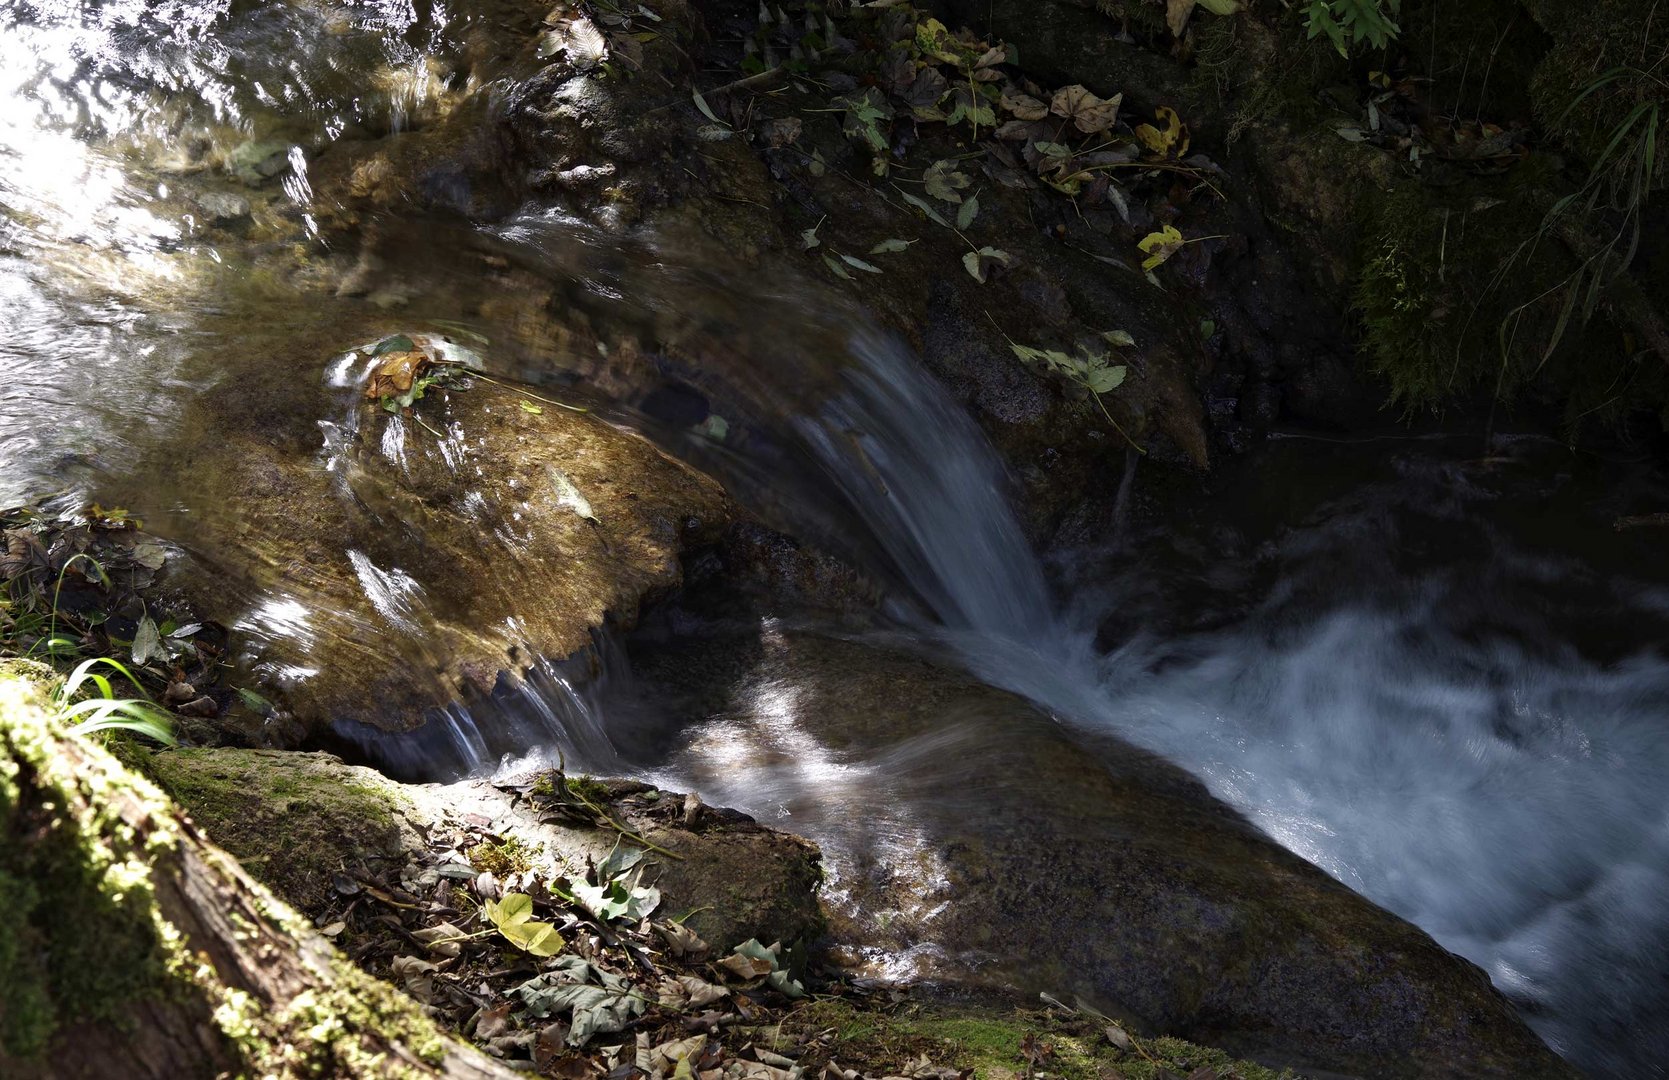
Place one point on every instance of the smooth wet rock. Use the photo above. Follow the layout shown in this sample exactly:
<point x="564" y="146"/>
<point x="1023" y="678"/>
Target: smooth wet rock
<point x="221" y="205"/>
<point x="972" y="840"/>
<point x="418" y="558"/>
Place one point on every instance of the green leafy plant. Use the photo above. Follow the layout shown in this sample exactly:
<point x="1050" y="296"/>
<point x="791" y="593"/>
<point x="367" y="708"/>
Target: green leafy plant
<point x="87" y="702"/>
<point x="1601" y="220"/>
<point x="619" y="894"/>
<point x="1348" y="24"/>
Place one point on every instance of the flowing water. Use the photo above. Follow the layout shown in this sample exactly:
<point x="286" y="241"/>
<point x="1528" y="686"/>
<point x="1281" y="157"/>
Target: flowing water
<point x="1440" y="677"/>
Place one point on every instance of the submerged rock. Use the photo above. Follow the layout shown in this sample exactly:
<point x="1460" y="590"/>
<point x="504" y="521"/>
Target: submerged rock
<point x="974" y="841"/>
<point x="429" y="551"/>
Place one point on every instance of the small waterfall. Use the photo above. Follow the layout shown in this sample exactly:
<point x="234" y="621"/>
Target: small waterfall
<point x="1427" y="735"/>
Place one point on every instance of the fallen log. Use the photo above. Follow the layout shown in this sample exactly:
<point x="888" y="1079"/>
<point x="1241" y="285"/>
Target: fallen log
<point x="132" y="946"/>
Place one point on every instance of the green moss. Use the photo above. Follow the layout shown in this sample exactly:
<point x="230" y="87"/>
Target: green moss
<point x="992" y="1041"/>
<point x="1589" y="40"/>
<point x="287" y="817"/>
<point x="79" y="939"/>
<point x="1454" y="292"/>
<point x="509" y="856"/>
<point x="554" y="785"/>
<point x="85" y="939"/>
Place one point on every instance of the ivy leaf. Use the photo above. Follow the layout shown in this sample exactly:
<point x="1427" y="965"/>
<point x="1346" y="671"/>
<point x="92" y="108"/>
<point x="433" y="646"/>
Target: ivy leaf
<point x="1088" y="113"/>
<point x="865" y="113"/>
<point x="925" y="93"/>
<point x="943" y="181"/>
<point x="1159" y="246"/>
<point x="979" y="263"/>
<point x="513" y="916"/>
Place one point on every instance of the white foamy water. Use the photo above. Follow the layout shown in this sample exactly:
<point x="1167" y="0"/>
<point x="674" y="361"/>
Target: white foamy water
<point x="1413" y="715"/>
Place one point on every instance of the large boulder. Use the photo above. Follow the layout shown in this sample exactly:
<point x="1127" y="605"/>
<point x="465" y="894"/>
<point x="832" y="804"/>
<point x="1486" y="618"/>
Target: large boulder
<point x="973" y="840"/>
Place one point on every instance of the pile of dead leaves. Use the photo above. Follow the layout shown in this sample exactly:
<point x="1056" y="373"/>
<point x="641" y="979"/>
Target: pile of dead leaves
<point x="572" y="969"/>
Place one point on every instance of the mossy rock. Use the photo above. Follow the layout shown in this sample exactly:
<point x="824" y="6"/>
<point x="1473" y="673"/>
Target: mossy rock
<point x="993" y="1037"/>
<point x="292" y="819"/>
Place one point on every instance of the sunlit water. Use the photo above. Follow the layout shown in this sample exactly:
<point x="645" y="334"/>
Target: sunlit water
<point x="1411" y="672"/>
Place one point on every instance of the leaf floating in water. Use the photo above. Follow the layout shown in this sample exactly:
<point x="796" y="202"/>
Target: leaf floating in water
<point x="399" y="343"/>
<point x="567" y="494"/>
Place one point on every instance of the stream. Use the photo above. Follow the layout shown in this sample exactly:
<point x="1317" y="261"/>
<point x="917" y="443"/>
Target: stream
<point x="1427" y="664"/>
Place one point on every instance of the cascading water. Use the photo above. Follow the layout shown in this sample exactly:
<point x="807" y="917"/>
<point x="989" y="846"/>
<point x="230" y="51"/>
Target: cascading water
<point x="1401" y="697"/>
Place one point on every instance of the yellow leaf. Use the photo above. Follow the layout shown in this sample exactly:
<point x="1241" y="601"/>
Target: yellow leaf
<point x="1159" y="246"/>
<point x="1174" y="138"/>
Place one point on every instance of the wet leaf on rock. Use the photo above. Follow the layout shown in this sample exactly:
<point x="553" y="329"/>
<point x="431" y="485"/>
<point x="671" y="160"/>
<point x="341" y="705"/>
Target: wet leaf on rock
<point x="980" y="263"/>
<point x="970" y="210"/>
<point x="147" y="643"/>
<point x="1169" y="141"/>
<point x="944" y="182"/>
<point x="1159" y="246"/>
<point x="925" y="207"/>
<point x="890" y="246"/>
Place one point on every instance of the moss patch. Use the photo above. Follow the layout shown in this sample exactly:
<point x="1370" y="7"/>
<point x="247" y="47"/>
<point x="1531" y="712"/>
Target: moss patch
<point x="995" y="1042"/>
<point x="277" y="811"/>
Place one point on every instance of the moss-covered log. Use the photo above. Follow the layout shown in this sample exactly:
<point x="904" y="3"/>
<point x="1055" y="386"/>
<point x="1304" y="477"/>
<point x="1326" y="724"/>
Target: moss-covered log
<point x="132" y="946"/>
